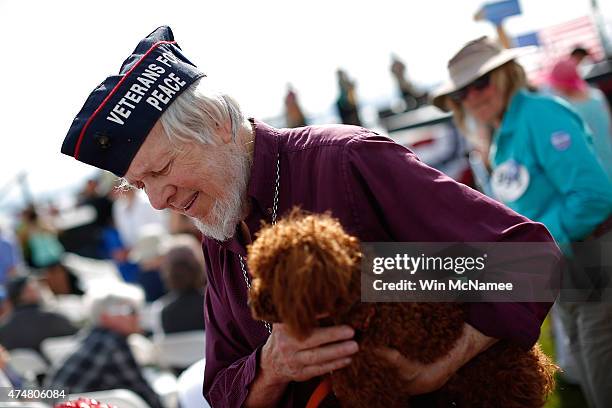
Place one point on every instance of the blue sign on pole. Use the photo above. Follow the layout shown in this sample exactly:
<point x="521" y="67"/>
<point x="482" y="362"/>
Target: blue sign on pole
<point x="496" y="12"/>
<point x="528" y="39"/>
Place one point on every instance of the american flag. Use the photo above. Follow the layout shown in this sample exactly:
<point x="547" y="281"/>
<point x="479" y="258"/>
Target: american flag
<point x="558" y="41"/>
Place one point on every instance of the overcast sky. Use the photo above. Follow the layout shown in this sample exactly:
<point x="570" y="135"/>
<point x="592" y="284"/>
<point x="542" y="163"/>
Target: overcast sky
<point x="55" y="52"/>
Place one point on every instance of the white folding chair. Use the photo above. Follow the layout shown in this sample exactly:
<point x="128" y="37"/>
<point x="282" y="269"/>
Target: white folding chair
<point x="189" y="386"/>
<point x="120" y="398"/>
<point x="164" y="384"/>
<point x="73" y="307"/>
<point x="142" y="348"/>
<point x="28" y="363"/>
<point x="180" y="350"/>
<point x="57" y="349"/>
<point x="92" y="272"/>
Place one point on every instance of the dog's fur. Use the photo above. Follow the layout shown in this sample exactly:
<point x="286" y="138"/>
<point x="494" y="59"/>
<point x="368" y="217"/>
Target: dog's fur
<point x="307" y="266"/>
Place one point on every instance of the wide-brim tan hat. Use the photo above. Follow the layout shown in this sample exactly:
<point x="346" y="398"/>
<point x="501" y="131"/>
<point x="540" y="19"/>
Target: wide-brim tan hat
<point x="475" y="59"/>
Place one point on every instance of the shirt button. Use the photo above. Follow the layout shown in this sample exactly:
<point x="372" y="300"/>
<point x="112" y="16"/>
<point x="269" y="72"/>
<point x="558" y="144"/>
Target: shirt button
<point x="269" y="210"/>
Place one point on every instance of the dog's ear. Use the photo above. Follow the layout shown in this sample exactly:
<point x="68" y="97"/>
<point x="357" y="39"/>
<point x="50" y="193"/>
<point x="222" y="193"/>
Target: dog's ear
<point x="261" y="304"/>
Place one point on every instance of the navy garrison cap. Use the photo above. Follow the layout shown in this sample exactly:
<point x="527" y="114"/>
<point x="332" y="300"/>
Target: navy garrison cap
<point x="120" y="112"/>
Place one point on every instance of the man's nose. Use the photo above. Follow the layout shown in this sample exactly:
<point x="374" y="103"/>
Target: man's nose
<point x="159" y="194"/>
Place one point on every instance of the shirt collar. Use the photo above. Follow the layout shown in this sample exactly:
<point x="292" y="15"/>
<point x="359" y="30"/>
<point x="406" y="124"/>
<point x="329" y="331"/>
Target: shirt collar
<point x="261" y="187"/>
<point x="263" y="171"/>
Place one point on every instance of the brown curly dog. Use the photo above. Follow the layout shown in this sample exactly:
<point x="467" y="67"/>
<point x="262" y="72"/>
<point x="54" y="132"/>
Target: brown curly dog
<point x="307" y="265"/>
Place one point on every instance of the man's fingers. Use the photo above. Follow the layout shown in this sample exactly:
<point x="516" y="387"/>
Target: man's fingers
<point x="326" y="335"/>
<point x="324" y="354"/>
<point x="325" y="350"/>
<point x="322" y="369"/>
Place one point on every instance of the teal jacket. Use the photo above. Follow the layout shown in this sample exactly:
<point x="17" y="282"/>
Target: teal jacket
<point x="544" y="167"/>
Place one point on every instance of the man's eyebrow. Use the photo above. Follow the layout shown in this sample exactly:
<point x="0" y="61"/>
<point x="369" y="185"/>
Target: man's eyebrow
<point x="141" y="174"/>
<point x="129" y="180"/>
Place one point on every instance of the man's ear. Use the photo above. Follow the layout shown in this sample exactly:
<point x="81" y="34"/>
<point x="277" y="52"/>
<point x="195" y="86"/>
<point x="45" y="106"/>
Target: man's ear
<point x="225" y="132"/>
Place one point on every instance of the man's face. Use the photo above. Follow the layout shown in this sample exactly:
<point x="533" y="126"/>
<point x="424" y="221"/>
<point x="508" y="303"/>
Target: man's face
<point x="205" y="182"/>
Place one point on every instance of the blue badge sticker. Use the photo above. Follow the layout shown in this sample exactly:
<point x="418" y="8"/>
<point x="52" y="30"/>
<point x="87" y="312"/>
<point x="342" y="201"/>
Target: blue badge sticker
<point x="561" y="141"/>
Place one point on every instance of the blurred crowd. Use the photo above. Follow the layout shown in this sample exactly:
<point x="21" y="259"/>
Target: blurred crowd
<point x="408" y="97"/>
<point x="94" y="294"/>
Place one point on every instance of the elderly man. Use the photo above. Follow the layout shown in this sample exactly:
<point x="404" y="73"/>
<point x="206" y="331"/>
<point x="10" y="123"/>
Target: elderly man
<point x="158" y="125"/>
<point x="104" y="359"/>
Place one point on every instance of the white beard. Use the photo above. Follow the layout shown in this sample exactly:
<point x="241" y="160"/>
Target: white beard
<point x="227" y="212"/>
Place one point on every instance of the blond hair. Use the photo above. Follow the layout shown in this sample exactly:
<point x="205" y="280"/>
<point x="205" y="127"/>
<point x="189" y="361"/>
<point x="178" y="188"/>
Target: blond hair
<point x="508" y="78"/>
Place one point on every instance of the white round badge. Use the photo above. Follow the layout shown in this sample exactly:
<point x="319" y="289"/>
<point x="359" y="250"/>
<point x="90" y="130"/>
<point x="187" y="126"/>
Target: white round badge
<point x="509" y="181"/>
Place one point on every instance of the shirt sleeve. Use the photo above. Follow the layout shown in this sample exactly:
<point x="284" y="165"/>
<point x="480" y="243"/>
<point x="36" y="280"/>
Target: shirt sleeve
<point x="416" y="203"/>
<point x="230" y="368"/>
<point x="562" y="146"/>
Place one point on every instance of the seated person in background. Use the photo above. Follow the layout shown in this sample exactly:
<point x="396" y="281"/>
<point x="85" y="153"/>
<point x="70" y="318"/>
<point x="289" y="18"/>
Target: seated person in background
<point x="104" y="360"/>
<point x="28" y="324"/>
<point x="183" y="270"/>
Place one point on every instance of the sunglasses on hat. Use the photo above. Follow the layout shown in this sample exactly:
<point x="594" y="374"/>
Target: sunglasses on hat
<point x="478" y="84"/>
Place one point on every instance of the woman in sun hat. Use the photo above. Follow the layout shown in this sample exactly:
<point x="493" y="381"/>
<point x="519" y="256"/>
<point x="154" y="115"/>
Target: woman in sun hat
<point x="590" y="103"/>
<point x="543" y="168"/>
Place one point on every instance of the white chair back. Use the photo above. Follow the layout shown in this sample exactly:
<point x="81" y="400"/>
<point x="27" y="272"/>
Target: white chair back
<point x="189" y="386"/>
<point x="180" y="350"/>
<point x="57" y="349"/>
<point x="92" y="272"/>
<point x="142" y="349"/>
<point x="28" y="363"/>
<point x="73" y="307"/>
<point x="163" y="382"/>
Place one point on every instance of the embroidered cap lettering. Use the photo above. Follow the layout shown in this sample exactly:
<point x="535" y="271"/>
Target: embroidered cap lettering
<point x="119" y="114"/>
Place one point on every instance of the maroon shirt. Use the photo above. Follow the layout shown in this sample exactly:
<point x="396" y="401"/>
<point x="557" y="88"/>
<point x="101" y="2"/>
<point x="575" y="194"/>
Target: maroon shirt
<point x="379" y="191"/>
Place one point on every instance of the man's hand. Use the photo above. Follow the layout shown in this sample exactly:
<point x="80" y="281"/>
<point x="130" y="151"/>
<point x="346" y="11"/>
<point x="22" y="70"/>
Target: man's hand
<point x="285" y="358"/>
<point x="423" y="378"/>
<point x="289" y="359"/>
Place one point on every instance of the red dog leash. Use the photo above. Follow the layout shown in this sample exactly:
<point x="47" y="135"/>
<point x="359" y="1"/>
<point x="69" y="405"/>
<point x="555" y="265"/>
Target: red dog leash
<point x="323" y="390"/>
